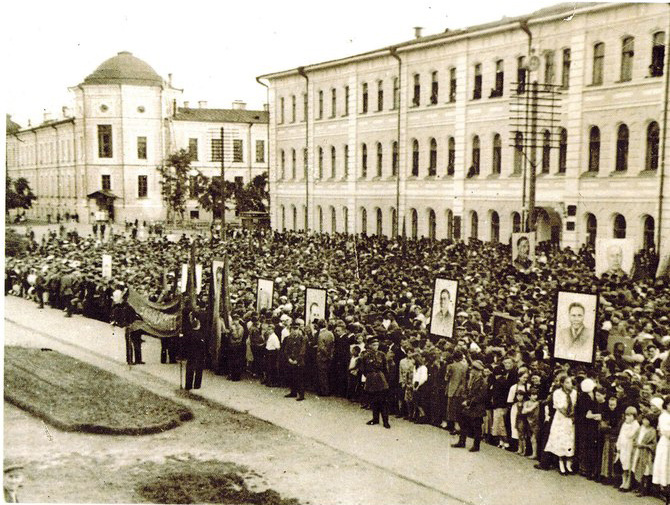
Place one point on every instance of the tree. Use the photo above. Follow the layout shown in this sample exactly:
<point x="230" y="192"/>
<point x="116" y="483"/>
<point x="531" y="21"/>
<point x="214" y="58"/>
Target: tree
<point x="174" y="182"/>
<point x="18" y="194"/>
<point x="210" y="197"/>
<point x="254" y="195"/>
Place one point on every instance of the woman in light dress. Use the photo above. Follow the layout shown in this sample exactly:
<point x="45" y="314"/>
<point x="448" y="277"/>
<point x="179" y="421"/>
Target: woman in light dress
<point x="624" y="445"/>
<point x="661" y="471"/>
<point x="561" y="441"/>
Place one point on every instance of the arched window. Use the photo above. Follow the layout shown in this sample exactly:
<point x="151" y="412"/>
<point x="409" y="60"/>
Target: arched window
<point x="415" y="158"/>
<point x="476" y="152"/>
<point x="283" y="218"/>
<point x="282" y="165"/>
<point x="516" y="222"/>
<point x="431" y="224"/>
<point x="396" y="159"/>
<point x="495" y="227"/>
<point x="627" y="53"/>
<point x="591" y="229"/>
<point x="619" y="230"/>
<point x="518" y="152"/>
<point x="415" y="224"/>
<point x="346" y="161"/>
<point x="293" y="164"/>
<point x="333" y="162"/>
<point x="598" y="63"/>
<point x="320" y="213"/>
<point x="497" y="155"/>
<point x="648" y="233"/>
<point x="364" y="221"/>
<point x="451" y="158"/>
<point x="546" y="151"/>
<point x="345" y="218"/>
<point x="653" y="134"/>
<point x="432" y="164"/>
<point x="379" y="222"/>
<point x="474" y="225"/>
<point x="364" y="161"/>
<point x="450" y="224"/>
<point x="562" y="150"/>
<point x="380" y="159"/>
<point x="594" y="149"/>
<point x="294" y="213"/>
<point x="394" y="223"/>
<point x="333" y="220"/>
<point x="320" y="163"/>
<point x="622" y="148"/>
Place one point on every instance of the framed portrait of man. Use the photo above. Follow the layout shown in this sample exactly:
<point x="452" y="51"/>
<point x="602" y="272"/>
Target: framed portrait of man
<point x="264" y="292"/>
<point x="575" y="324"/>
<point x="443" y="312"/>
<point x="503" y="325"/>
<point x="315" y="304"/>
<point x="614" y="256"/>
<point x="523" y="250"/>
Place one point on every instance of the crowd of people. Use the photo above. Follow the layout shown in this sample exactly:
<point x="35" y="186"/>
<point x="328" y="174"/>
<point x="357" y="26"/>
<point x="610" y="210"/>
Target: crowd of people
<point x="608" y="421"/>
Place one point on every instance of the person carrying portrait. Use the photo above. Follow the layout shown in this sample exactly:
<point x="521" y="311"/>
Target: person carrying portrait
<point x="473" y="407"/>
<point x="374" y="366"/>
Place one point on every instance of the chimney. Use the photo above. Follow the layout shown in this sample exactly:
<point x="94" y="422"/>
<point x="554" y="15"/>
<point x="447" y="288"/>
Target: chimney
<point x="47" y="116"/>
<point x="202" y="104"/>
<point x="266" y="107"/>
<point x="170" y="79"/>
<point x="417" y="32"/>
<point x="186" y="104"/>
<point x="66" y="111"/>
<point x="239" y="105"/>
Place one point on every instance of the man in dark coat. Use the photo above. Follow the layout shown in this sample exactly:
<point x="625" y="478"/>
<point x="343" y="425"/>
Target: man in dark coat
<point x="325" y="345"/>
<point x="474" y="407"/>
<point x="374" y="367"/>
<point x="123" y="315"/>
<point x="295" y="345"/>
<point x="195" y="349"/>
<point x="237" y="350"/>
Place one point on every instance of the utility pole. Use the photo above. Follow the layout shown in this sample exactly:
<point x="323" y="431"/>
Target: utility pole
<point x="530" y="223"/>
<point x="223" y="190"/>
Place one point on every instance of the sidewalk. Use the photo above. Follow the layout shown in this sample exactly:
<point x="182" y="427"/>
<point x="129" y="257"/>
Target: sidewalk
<point x="421" y="454"/>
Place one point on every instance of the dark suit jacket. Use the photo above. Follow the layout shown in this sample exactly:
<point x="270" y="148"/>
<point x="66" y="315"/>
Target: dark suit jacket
<point x="475" y="396"/>
<point x="455" y="378"/>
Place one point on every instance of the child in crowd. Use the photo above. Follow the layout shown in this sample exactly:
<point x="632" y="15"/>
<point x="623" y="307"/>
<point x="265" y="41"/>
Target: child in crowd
<point x="521" y="426"/>
<point x="624" y="445"/>
<point x="531" y="413"/>
<point x="354" y="373"/>
<point x="644" y="444"/>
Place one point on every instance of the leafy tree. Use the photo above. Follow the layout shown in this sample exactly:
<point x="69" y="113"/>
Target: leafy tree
<point x="254" y="195"/>
<point x="18" y="194"/>
<point x="174" y="182"/>
<point x="213" y="190"/>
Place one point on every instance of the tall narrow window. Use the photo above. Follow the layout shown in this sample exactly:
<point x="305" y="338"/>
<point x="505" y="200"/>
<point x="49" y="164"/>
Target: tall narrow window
<point x="216" y="150"/>
<point x="651" y="161"/>
<point x="495" y="227"/>
<point x="238" y="151"/>
<point x="380" y="96"/>
<point x="518" y="152"/>
<point x="627" y="53"/>
<point x="451" y="156"/>
<point x="394" y="222"/>
<point x="346" y="161"/>
<point x="333" y="102"/>
<point x="452" y="84"/>
<point x="497" y="155"/>
<point x="657" y="55"/>
<point x="320" y="165"/>
<point x="450" y="224"/>
<point x="293" y="108"/>
<point x="546" y="151"/>
<point x="142" y="187"/>
<point x="106" y="182"/>
<point x="346" y="100"/>
<point x="319" y="212"/>
<point x="193" y="149"/>
<point x="594" y="149"/>
<point x="305" y="162"/>
<point x="521" y="73"/>
<point x="598" y="63"/>
<point x="477" y="90"/>
<point x="294" y="174"/>
<point x="648" y="233"/>
<point x="562" y="151"/>
<point x="141" y="148"/>
<point x="565" y="77"/>
<point x="104" y="141"/>
<point x="333" y="162"/>
<point x="364" y="161"/>
<point x="282" y="164"/>
<point x="591" y="229"/>
<point x="396" y="93"/>
<point x="379" y="222"/>
<point x="416" y="97"/>
<point x="432" y="224"/>
<point x="364" y="221"/>
<point x="305" y="107"/>
<point x="281" y="110"/>
<point x="500" y="79"/>
<point x="379" y="159"/>
<point x="474" y="225"/>
<point x="619" y="230"/>
<point x="516" y="222"/>
<point x="260" y="151"/>
<point x="333" y="220"/>
<point x="365" y="98"/>
<point x="415" y="224"/>
<point x="434" y="88"/>
<point x="345" y="218"/>
<point x="549" y="69"/>
<point x="320" y="110"/>
<point x="395" y="159"/>
<point x="415" y="158"/>
<point x="622" y="148"/>
<point x="476" y="156"/>
<point x="432" y="163"/>
<point x="294" y="214"/>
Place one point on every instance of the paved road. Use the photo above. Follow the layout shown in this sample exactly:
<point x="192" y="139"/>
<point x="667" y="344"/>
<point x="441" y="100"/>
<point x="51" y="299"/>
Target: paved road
<point x="420" y="454"/>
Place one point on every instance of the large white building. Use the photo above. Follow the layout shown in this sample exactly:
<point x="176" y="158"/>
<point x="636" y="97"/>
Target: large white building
<point x="101" y="155"/>
<point x="423" y="129"/>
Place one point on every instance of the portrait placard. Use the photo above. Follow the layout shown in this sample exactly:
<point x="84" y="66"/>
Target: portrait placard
<point x="264" y="292"/>
<point x="575" y="324"/>
<point x="503" y="325"/>
<point x="523" y="250"/>
<point x="107" y="266"/>
<point x="614" y="256"/>
<point x="625" y="342"/>
<point x="443" y="312"/>
<point x="315" y="304"/>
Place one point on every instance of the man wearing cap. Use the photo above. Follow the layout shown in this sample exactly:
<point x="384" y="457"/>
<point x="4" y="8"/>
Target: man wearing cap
<point x="195" y="349"/>
<point x="474" y="407"/>
<point x="374" y="367"/>
<point x="295" y="346"/>
<point x="123" y="315"/>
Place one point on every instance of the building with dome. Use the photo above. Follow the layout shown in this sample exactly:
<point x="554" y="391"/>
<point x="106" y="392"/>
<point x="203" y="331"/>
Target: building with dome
<point x="98" y="159"/>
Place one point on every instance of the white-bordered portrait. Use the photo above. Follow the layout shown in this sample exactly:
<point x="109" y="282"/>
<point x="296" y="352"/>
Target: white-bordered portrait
<point x="264" y="292"/>
<point x="523" y="250"/>
<point x="442" y="315"/>
<point x="614" y="256"/>
<point x="315" y="304"/>
<point x="574" y="334"/>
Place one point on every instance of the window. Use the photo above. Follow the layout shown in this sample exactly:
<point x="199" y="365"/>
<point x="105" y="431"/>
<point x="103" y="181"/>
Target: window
<point x="294" y="214"/>
<point x="305" y="161"/>
<point x="591" y="229"/>
<point x="452" y="85"/>
<point x="281" y="110"/>
<point x="293" y="108"/>
<point x="107" y="182"/>
<point x="319" y="212"/>
<point x="495" y="227"/>
<point x="364" y="221"/>
<point x="657" y="55"/>
<point x="432" y="163"/>
<point x="333" y="102"/>
<point x="216" y="150"/>
<point x="619" y="230"/>
<point x="432" y="224"/>
<point x="282" y="156"/>
<point x="141" y="148"/>
<point x="238" y="150"/>
<point x="415" y="224"/>
<point x="380" y="159"/>
<point x="260" y="151"/>
<point x="320" y="109"/>
<point x="651" y="162"/>
<point x="345" y="216"/>
<point x="305" y="107"/>
<point x="594" y="149"/>
<point x="416" y="98"/>
<point x="346" y="100"/>
<point x="193" y="188"/>
<point x="516" y="222"/>
<point x="346" y="161"/>
<point x="142" y="186"/>
<point x="415" y="158"/>
<point x="193" y="149"/>
<point x="104" y="141"/>
<point x="434" y="88"/>
<point x="648" y="233"/>
<point x="320" y="166"/>
<point x="451" y="157"/>
<point x="396" y="93"/>
<point x="546" y="151"/>
<point x="380" y="96"/>
<point x="474" y="225"/>
<point x="365" y="98"/>
<point x="364" y="161"/>
<point x="333" y="162"/>
<point x="283" y="218"/>
<point x="549" y="70"/>
<point x="293" y="164"/>
<point x="380" y="222"/>
<point x="598" y="63"/>
<point x="395" y="159"/>
<point x="500" y="79"/>
<point x="333" y="220"/>
<point x="450" y="224"/>
<point x="474" y="168"/>
<point x="497" y="155"/>
<point x="477" y="91"/>
<point x="521" y="73"/>
<point x="565" y="77"/>
<point x="627" y="53"/>
<point x="562" y="151"/>
<point x="394" y="222"/>
<point x="518" y="153"/>
<point x="622" y="148"/>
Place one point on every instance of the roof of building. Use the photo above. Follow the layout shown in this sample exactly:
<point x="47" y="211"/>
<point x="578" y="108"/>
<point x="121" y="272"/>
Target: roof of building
<point x="11" y="126"/>
<point x="221" y="115"/>
<point x="124" y="68"/>
<point x="566" y="9"/>
<point x="46" y="124"/>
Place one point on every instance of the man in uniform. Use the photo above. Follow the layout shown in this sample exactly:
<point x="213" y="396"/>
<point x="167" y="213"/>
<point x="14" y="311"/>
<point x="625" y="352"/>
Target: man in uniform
<point x="237" y="349"/>
<point x="295" y="346"/>
<point x="123" y="315"/>
<point x="374" y="367"/>
<point x="195" y="349"/>
<point x="474" y="407"/>
<point x="325" y="345"/>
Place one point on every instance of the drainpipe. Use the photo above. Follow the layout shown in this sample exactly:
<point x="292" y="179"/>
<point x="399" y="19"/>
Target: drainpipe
<point x="37" y="163"/>
<point x="665" y="133"/>
<point x="301" y="71"/>
<point x="394" y="53"/>
<point x="85" y="191"/>
<point x="267" y="127"/>
<point x="57" y="169"/>
<point x="249" y="151"/>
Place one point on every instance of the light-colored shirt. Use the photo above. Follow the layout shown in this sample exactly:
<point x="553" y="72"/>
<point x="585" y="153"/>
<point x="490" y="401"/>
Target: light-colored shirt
<point x="420" y="375"/>
<point x="273" y="342"/>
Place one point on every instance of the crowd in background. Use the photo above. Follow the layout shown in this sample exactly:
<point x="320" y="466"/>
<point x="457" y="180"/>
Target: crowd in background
<point x="609" y="421"/>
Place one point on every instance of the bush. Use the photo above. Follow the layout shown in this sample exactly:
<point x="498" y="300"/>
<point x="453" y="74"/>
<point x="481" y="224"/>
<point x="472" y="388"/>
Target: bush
<point x="15" y="244"/>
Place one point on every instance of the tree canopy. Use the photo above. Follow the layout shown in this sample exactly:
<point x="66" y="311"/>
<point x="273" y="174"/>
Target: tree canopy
<point x="18" y="194"/>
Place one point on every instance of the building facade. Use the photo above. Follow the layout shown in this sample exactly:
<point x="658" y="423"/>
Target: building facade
<point x="99" y="158"/>
<point x="422" y="133"/>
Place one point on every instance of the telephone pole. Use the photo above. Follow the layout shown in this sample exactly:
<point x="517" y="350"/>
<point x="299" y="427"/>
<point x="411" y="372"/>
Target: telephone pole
<point x="223" y="189"/>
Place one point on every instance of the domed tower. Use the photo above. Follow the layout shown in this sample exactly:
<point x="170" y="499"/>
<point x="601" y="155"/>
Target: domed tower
<point x="122" y="111"/>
